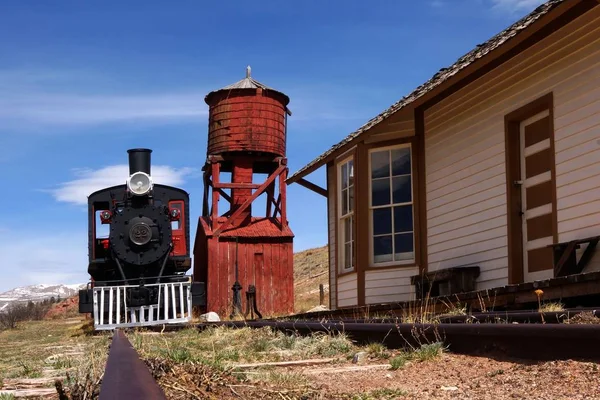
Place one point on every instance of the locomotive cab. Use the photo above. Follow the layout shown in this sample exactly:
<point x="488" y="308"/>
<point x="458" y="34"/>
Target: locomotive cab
<point x="139" y="252"/>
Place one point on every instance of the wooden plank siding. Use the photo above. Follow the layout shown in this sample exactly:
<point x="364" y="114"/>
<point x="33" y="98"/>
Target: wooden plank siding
<point x="347" y="294"/>
<point x="391" y="285"/>
<point x="466" y="160"/>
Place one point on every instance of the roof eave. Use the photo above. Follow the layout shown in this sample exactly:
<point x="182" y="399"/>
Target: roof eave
<point x="439" y="88"/>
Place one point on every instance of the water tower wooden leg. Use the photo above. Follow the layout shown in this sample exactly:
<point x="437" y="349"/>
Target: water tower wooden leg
<point x="216" y="169"/>
<point x="205" y="212"/>
<point x="270" y="198"/>
<point x="282" y="191"/>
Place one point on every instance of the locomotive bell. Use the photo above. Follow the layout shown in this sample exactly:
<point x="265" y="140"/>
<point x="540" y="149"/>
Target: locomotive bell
<point x="139" y="182"/>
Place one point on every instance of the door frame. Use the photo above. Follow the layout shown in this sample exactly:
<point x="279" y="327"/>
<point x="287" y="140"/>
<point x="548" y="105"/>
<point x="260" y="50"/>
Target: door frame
<point x="512" y="123"/>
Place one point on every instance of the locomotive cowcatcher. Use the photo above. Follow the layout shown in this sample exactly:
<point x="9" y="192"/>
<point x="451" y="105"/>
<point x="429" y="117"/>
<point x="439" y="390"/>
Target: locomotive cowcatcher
<point x="138" y="272"/>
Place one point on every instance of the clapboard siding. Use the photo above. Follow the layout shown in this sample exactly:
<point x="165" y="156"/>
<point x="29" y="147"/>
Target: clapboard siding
<point x="577" y="146"/>
<point x="331" y="202"/>
<point x="390" y="285"/>
<point x="347" y="294"/>
<point x="465" y="151"/>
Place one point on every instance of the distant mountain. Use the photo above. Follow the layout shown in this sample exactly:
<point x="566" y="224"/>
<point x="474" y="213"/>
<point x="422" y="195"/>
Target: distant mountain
<point x="38" y="293"/>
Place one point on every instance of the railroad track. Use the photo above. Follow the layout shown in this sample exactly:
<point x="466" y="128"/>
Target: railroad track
<point x="547" y="317"/>
<point x="127" y="377"/>
<point x="533" y="341"/>
<point x="392" y="312"/>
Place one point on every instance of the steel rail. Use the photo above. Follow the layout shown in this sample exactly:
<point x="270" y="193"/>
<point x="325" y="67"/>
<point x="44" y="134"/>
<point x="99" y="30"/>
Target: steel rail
<point x="126" y="376"/>
<point x="357" y="313"/>
<point x="530" y="341"/>
<point x="548" y="317"/>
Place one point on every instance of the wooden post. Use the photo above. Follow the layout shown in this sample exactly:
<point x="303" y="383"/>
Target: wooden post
<point x="205" y="196"/>
<point x="270" y="198"/>
<point x="321" y="294"/>
<point x="216" y="170"/>
<point x="282" y="191"/>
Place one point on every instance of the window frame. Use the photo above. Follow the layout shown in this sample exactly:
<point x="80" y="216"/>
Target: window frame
<point x="340" y="237"/>
<point x="414" y="203"/>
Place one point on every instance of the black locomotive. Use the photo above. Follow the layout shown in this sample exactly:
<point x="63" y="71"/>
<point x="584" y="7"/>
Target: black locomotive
<point x="148" y="244"/>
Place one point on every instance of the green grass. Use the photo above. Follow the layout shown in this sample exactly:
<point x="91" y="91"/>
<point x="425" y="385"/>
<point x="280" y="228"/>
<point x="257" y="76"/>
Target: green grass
<point x="425" y="352"/>
<point x="35" y="348"/>
<point x="221" y="345"/>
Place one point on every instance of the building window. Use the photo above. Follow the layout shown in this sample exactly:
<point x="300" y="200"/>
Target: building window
<point x="346" y="215"/>
<point x="391" y="206"/>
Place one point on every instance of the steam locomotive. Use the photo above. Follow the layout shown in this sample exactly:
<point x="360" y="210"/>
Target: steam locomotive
<point x="138" y="271"/>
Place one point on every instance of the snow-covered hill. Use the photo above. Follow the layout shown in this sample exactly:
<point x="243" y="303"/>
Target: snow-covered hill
<point x="38" y="293"/>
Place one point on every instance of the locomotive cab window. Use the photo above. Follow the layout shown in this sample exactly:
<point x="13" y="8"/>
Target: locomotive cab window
<point x="102" y="230"/>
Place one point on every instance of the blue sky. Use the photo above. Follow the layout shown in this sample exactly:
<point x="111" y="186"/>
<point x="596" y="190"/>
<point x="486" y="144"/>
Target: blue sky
<point x="82" y="82"/>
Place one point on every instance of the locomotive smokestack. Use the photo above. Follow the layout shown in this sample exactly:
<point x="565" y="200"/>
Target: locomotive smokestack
<point x="139" y="160"/>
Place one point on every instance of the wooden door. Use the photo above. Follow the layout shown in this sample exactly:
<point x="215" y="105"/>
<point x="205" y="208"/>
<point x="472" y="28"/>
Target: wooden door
<point x="537" y="194"/>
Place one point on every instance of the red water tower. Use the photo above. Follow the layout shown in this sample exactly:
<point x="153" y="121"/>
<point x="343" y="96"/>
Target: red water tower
<point x="245" y="257"/>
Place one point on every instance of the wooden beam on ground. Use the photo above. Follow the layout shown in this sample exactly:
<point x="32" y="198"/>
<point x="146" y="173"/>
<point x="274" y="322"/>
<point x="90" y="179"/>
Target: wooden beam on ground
<point x="311" y="186"/>
<point x="297" y="363"/>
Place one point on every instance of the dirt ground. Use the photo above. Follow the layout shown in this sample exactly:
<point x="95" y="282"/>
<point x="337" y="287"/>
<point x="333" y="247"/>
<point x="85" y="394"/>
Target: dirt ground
<point x="463" y="377"/>
<point x="238" y="364"/>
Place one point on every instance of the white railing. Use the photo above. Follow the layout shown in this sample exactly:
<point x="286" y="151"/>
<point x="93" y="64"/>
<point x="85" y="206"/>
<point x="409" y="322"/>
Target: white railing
<point x="120" y="315"/>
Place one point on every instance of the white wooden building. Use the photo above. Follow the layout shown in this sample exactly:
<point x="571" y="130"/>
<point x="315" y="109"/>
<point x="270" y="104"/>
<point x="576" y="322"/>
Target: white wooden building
<point x="486" y="165"/>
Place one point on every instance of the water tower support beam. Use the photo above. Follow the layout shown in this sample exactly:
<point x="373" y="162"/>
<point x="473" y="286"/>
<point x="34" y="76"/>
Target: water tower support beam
<point x="216" y="170"/>
<point x="282" y="193"/>
<point x="281" y="169"/>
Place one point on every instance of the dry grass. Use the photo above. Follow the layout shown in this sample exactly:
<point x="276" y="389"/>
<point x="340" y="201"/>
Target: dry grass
<point x="211" y="357"/>
<point x="51" y="350"/>
<point x="223" y="347"/>
<point x="189" y="361"/>
<point x="552" y="307"/>
<point x="310" y="270"/>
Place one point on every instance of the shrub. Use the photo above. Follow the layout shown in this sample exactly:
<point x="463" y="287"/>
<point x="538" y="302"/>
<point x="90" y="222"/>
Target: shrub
<point x="18" y="312"/>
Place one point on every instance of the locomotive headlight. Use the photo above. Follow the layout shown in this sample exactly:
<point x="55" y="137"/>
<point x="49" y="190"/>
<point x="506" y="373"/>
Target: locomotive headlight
<point x="139" y="183"/>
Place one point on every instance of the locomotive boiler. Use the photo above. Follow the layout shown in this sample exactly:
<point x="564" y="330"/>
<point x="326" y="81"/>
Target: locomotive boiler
<point x="138" y="267"/>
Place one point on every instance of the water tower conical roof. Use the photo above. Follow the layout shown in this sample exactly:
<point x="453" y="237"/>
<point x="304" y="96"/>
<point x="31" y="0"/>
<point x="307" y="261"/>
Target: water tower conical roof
<point x="247" y="83"/>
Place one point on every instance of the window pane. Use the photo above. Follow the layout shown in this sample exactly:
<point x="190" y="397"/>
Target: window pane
<point x="347" y="230"/>
<point x="347" y="256"/>
<point x="350" y="172"/>
<point x="380" y="191"/>
<point x="403" y="219"/>
<point x="401" y="161"/>
<point x="351" y="195"/>
<point x="344" y="176"/>
<point x="403" y="244"/>
<point x="380" y="164"/>
<point x="382" y="248"/>
<point x="402" y="189"/>
<point x="382" y="221"/>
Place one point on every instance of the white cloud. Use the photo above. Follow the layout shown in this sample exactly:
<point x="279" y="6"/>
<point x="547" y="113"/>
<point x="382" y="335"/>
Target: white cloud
<point x="36" y="99"/>
<point x="88" y="181"/>
<point x="38" y="108"/>
<point x="516" y="6"/>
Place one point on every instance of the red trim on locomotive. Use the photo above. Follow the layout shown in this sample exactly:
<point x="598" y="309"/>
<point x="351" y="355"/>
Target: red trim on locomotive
<point x="178" y="229"/>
